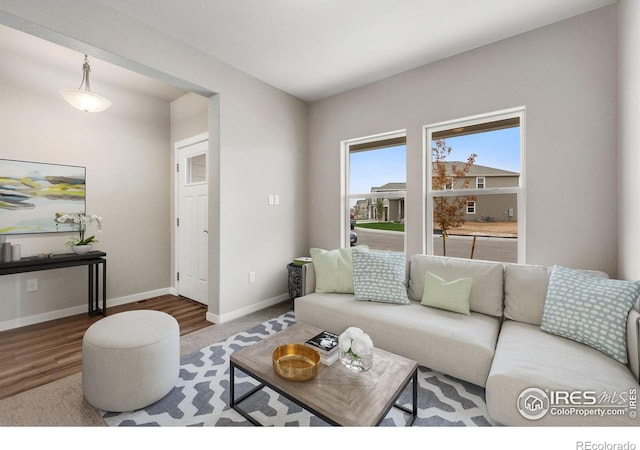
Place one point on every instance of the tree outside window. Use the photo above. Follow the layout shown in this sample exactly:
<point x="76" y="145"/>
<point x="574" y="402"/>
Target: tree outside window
<point x="449" y="212"/>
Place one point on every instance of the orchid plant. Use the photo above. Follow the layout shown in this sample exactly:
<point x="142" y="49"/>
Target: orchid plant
<point x="82" y="222"/>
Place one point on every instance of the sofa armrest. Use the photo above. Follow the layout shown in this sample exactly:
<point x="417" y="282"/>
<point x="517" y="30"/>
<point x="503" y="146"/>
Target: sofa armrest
<point x="309" y="279"/>
<point x="633" y="342"/>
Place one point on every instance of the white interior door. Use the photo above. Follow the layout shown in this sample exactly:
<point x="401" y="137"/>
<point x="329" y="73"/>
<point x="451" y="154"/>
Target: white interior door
<point x="192" y="221"/>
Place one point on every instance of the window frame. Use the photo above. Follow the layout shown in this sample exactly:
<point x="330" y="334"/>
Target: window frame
<point x="471" y="207"/>
<point x="364" y="144"/>
<point x="484" y="182"/>
<point x="429" y="194"/>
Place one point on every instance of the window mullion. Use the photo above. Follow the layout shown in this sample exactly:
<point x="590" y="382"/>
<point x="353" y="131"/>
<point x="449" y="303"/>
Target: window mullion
<point x="463" y="192"/>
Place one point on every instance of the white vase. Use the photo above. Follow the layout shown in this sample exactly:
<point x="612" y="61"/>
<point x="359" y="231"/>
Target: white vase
<point x="81" y="249"/>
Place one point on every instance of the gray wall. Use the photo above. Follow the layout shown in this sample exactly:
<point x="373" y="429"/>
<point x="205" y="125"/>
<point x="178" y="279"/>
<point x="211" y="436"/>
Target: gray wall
<point x="189" y="117"/>
<point x="629" y="141"/>
<point x="565" y="76"/>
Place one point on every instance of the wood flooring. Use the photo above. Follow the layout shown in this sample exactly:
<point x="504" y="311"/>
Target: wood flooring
<point x="39" y="354"/>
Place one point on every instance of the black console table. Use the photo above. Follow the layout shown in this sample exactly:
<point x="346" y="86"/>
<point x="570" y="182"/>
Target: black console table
<point x="296" y="282"/>
<point x="91" y="259"/>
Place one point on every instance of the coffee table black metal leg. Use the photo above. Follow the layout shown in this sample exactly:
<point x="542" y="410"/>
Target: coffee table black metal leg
<point x="232" y="385"/>
<point x="414" y="413"/>
<point x="233" y="402"/>
<point x="414" y="399"/>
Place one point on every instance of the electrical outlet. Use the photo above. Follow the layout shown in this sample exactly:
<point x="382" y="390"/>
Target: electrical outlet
<point x="32" y="285"/>
<point x="276" y="199"/>
<point x="252" y="277"/>
<point x="271" y="199"/>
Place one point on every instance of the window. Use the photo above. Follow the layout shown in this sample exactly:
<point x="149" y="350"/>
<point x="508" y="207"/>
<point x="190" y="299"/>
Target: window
<point x="471" y="207"/>
<point x="375" y="186"/>
<point x="196" y="169"/>
<point x="475" y="187"/>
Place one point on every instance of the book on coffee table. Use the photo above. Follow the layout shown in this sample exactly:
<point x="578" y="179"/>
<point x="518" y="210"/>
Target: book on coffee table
<point x="326" y="343"/>
<point x="302" y="260"/>
<point x="330" y="359"/>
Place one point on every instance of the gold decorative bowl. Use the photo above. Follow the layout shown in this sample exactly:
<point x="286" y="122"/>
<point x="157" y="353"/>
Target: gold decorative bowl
<point x="296" y="362"/>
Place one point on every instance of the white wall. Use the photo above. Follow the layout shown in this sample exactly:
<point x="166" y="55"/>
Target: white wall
<point x="629" y="138"/>
<point x="565" y="76"/>
<point x="259" y="146"/>
<point x="126" y="154"/>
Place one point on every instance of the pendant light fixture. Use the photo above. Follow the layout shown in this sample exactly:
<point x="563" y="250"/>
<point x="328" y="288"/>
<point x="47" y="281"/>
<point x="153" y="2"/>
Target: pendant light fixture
<point x="82" y="98"/>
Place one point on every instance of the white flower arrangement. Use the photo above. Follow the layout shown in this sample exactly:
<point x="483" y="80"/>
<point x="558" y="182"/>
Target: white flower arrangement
<point x="82" y="221"/>
<point x="355" y="342"/>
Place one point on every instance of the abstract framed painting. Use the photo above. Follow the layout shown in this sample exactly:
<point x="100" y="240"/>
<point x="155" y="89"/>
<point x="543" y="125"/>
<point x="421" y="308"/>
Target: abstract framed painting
<point x="32" y="194"/>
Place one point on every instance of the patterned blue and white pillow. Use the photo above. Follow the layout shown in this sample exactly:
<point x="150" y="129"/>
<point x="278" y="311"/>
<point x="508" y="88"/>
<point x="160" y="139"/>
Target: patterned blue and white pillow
<point x="590" y="309"/>
<point x="380" y="277"/>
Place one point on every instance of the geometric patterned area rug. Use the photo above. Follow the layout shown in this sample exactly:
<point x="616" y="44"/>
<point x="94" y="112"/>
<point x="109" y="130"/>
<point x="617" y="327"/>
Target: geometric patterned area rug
<point x="201" y="395"/>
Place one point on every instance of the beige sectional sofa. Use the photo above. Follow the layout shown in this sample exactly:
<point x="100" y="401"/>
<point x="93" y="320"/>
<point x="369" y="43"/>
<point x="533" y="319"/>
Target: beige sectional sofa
<point x="499" y="345"/>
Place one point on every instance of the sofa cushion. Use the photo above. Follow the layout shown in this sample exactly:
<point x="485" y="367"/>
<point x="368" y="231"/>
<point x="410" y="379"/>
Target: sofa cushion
<point x="590" y="309"/>
<point x="486" y="286"/>
<point x="334" y="269"/>
<point x="527" y="357"/>
<point x="456" y="344"/>
<point x="448" y="295"/>
<point x="525" y="290"/>
<point x="380" y="277"/>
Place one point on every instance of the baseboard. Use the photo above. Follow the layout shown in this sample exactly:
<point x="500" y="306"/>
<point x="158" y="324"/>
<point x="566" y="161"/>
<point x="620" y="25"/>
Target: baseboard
<point x="137" y="297"/>
<point x="215" y="318"/>
<point x="59" y="314"/>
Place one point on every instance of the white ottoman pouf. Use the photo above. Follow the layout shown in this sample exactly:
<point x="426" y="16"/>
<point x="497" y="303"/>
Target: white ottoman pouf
<point x="130" y="360"/>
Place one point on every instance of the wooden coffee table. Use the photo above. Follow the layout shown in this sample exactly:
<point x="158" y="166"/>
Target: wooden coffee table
<point x="336" y="394"/>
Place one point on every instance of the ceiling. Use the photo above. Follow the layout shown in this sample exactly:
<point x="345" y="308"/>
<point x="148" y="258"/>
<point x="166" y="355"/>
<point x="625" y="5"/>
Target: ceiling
<point x="67" y="60"/>
<point x="311" y="48"/>
<point x="316" y="48"/>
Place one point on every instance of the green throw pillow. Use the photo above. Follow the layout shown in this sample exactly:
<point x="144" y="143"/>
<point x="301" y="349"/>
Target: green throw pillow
<point x="334" y="269"/>
<point x="448" y="295"/>
<point x="589" y="309"/>
<point x="380" y="277"/>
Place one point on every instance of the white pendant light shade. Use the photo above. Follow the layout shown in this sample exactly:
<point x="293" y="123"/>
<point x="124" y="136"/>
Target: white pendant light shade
<point x="82" y="98"/>
<point x="85" y="100"/>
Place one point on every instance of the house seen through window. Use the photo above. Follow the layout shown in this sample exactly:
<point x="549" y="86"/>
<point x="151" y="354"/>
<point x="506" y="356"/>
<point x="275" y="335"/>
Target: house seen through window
<point x="475" y="190"/>
<point x="376" y="189"/>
